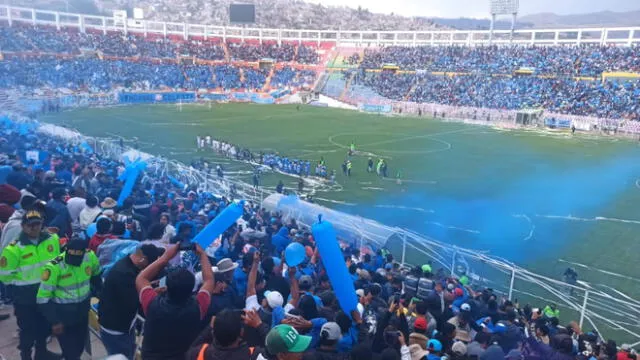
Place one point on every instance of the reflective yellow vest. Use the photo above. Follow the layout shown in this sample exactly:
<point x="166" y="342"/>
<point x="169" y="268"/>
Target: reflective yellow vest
<point x="21" y="264"/>
<point x="66" y="284"/>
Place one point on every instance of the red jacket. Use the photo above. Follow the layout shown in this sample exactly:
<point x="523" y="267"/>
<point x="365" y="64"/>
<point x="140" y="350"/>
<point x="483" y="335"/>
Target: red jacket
<point x="98" y="239"/>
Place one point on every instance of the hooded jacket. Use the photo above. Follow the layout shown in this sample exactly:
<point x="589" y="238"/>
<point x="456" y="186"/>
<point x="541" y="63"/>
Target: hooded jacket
<point x="11" y="229"/>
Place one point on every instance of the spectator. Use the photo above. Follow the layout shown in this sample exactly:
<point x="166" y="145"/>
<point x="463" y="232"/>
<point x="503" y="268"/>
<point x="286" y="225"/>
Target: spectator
<point x="283" y="342"/>
<point x="173" y="318"/>
<point x="119" y="301"/>
<point x="57" y="214"/>
<point x="103" y="233"/>
<point x="90" y="213"/>
<point x="18" y="177"/>
<point x="227" y="342"/>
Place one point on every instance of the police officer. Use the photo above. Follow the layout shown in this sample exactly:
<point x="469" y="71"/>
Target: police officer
<point x="64" y="295"/>
<point x="21" y="264"/>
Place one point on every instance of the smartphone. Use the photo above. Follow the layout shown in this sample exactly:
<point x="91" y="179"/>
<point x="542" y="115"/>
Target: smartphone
<point x="293" y="316"/>
<point x="396" y="298"/>
<point x="187" y="246"/>
<point x="391" y="337"/>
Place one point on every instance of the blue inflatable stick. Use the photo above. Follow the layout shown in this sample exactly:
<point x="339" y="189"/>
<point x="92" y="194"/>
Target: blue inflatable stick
<point x="132" y="175"/>
<point x="175" y="182"/>
<point x="222" y="222"/>
<point x="333" y="261"/>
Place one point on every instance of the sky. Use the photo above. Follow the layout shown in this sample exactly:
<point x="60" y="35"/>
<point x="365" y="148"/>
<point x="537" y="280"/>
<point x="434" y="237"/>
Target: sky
<point x="480" y="8"/>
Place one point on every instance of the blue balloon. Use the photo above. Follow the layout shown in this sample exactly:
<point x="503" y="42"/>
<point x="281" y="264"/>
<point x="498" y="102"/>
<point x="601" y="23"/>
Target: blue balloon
<point x="333" y="260"/>
<point x="294" y="254"/>
<point x="220" y="224"/>
<point x="91" y="230"/>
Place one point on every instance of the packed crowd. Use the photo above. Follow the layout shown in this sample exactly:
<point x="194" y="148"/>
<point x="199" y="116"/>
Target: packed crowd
<point x="609" y="99"/>
<point x="71" y="42"/>
<point x="92" y="74"/>
<point x="585" y="60"/>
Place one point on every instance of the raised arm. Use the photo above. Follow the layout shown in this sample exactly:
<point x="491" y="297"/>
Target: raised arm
<point x="295" y="290"/>
<point x="253" y="275"/>
<point x="150" y="272"/>
<point x="208" y="280"/>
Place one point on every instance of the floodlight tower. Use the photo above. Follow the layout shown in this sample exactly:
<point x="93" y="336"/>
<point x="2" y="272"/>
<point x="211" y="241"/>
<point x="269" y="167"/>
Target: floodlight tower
<point x="503" y="7"/>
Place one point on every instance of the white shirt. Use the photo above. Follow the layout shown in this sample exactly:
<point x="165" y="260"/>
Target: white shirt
<point x="75" y="206"/>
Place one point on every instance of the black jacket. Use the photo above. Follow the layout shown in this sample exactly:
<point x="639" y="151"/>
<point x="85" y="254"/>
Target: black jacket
<point x="319" y="354"/>
<point x="119" y="301"/>
<point x="214" y="352"/>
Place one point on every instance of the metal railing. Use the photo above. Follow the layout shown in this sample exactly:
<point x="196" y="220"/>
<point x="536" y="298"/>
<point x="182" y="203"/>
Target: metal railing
<point x="573" y="36"/>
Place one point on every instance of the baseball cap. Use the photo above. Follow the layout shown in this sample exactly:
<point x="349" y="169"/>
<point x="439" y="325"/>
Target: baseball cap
<point x="285" y="339"/>
<point x="420" y="324"/>
<point x="426" y="268"/>
<point x="360" y="292"/>
<point x="434" y="345"/>
<point x="514" y="354"/>
<point x="32" y="217"/>
<point x="465" y="307"/>
<point x="458" y="292"/>
<point x="151" y="252"/>
<point x="625" y="347"/>
<point x="331" y="331"/>
<point x="274" y="299"/>
<point x="459" y="348"/>
<point x="450" y="286"/>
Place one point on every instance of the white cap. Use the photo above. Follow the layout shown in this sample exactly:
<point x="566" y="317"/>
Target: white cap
<point x="274" y="299"/>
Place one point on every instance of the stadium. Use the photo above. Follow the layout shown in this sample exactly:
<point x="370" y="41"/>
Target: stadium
<point x="504" y="157"/>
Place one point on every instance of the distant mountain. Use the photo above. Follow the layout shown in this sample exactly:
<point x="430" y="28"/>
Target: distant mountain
<point x="602" y="18"/>
<point x="479" y="24"/>
<point x="548" y="20"/>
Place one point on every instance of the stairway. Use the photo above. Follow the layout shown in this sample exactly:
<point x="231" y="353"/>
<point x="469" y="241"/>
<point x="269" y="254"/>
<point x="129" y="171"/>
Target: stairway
<point x="227" y="53"/>
<point x="184" y="73"/>
<point x="321" y="81"/>
<point x="295" y="54"/>
<point x="241" y="71"/>
<point x="267" y="82"/>
<point x="347" y="84"/>
<point x="411" y="90"/>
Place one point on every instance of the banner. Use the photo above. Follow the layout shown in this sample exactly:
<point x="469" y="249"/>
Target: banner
<point x="160" y="97"/>
<point x="554" y="123"/>
<point x="375" y="108"/>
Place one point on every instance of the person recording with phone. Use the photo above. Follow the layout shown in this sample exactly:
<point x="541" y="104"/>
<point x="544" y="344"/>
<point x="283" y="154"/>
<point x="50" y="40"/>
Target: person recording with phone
<point x="173" y="315"/>
<point x="392" y="325"/>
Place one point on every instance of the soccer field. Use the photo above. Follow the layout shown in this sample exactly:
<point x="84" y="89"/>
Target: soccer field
<point x="532" y="197"/>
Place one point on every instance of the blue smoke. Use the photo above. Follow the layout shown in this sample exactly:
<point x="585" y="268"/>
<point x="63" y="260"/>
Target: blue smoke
<point x="512" y="222"/>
